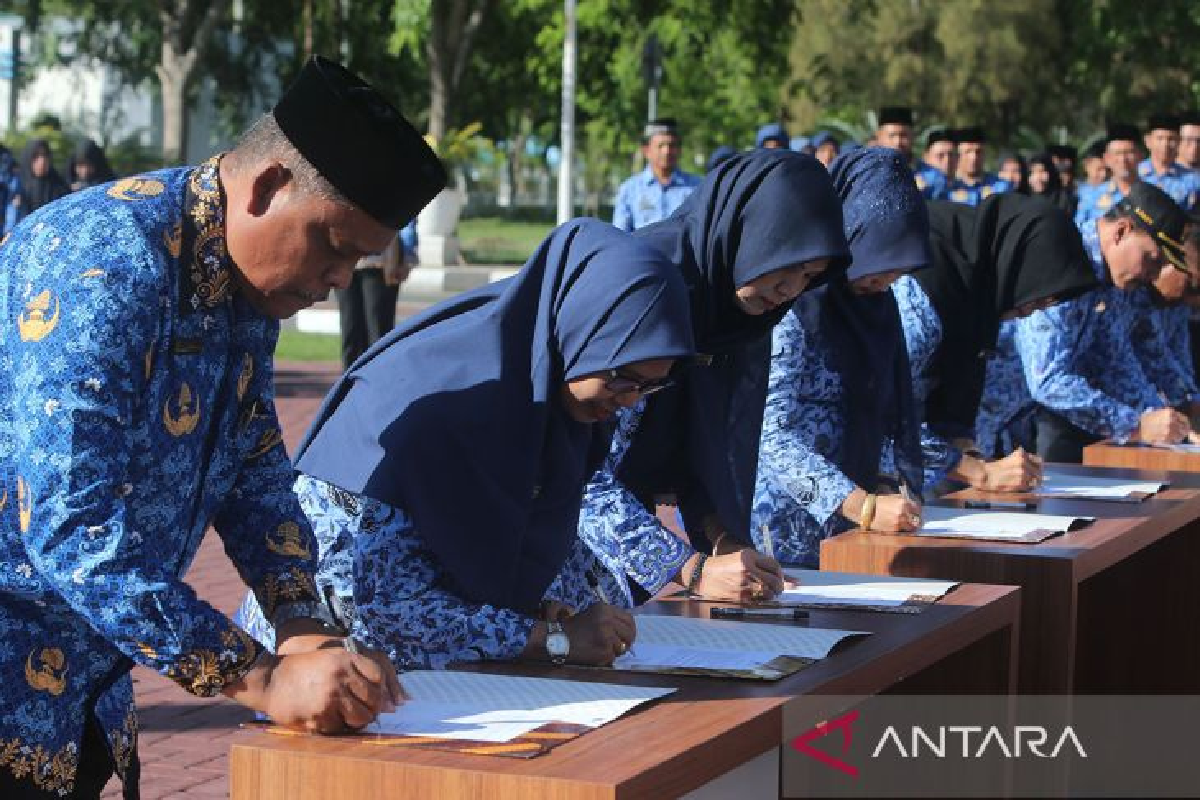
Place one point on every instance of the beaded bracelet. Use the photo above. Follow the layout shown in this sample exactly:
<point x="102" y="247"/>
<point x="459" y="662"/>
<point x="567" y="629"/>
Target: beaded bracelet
<point x="868" y="513"/>
<point x="694" y="581"/>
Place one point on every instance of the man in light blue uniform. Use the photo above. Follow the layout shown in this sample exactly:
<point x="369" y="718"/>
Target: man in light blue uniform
<point x="1163" y="169"/>
<point x="139" y="320"/>
<point x="1080" y="362"/>
<point x="937" y="164"/>
<point x="660" y="188"/>
<point x="972" y="184"/>
<point x="1122" y="154"/>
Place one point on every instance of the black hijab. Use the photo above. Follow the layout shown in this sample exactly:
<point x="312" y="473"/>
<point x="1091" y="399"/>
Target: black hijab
<point x="887" y="226"/>
<point x="1055" y="193"/>
<point x="756" y="213"/>
<point x="87" y="151"/>
<point x="37" y="192"/>
<point x="989" y="259"/>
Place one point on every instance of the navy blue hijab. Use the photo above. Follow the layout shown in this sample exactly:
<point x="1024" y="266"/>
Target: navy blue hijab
<point x="756" y="213"/>
<point x="887" y="225"/>
<point x="456" y="417"/>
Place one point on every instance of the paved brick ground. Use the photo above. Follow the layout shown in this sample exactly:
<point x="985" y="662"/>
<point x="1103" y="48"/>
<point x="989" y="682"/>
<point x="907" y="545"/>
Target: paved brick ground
<point x="184" y="740"/>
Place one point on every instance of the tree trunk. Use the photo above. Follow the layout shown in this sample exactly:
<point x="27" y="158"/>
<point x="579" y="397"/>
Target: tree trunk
<point x="453" y="25"/>
<point x="186" y="26"/>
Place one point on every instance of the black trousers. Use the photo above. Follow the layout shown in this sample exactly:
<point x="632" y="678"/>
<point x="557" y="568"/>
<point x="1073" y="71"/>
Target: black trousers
<point x="367" y="311"/>
<point x="1060" y="440"/>
<point x="95" y="769"/>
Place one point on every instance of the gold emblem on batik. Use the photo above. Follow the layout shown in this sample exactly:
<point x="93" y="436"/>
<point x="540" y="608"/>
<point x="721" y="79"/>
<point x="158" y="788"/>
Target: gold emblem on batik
<point x="268" y="441"/>
<point x="94" y="272"/>
<point x="149" y="361"/>
<point x="181" y="414"/>
<point x="33" y="323"/>
<point x="136" y="188"/>
<point x="49" y="672"/>
<point x="245" y="375"/>
<point x="285" y="541"/>
<point x="24" y="505"/>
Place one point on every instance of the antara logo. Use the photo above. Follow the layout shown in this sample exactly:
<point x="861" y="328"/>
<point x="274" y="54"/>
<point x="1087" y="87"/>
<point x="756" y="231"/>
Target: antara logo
<point x="1024" y="739"/>
<point x="974" y="741"/>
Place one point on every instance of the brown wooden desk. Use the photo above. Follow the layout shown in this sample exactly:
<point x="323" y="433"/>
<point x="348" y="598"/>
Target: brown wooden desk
<point x="1106" y="454"/>
<point x="1111" y="608"/>
<point x="703" y="739"/>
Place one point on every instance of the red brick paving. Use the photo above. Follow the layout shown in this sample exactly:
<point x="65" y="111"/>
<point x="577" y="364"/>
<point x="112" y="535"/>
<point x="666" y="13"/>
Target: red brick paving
<point x="184" y="740"/>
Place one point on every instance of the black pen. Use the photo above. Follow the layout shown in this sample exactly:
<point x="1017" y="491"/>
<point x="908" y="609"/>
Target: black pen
<point x="760" y="613"/>
<point x="1024" y="505"/>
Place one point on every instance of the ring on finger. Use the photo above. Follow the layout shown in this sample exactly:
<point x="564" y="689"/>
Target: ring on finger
<point x="621" y="648"/>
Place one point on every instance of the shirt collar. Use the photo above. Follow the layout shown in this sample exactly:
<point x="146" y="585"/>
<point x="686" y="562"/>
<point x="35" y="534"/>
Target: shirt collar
<point x="649" y="178"/>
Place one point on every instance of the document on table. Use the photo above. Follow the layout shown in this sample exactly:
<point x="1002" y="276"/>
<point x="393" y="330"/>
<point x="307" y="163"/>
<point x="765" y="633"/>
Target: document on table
<point x="818" y="588"/>
<point x="940" y="521"/>
<point x="1182" y="447"/>
<point x="712" y="644"/>
<point x="1089" y="487"/>
<point x="498" y="708"/>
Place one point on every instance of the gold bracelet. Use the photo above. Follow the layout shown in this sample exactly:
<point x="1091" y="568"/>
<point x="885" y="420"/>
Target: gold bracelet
<point x="867" y="516"/>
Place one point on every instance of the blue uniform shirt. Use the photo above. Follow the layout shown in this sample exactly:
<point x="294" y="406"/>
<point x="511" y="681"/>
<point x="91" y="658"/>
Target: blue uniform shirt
<point x="800" y="488"/>
<point x="1094" y="202"/>
<point x="1181" y="183"/>
<point x="1079" y="360"/>
<point x="642" y="200"/>
<point x="933" y="183"/>
<point x="972" y="194"/>
<point x="136" y="408"/>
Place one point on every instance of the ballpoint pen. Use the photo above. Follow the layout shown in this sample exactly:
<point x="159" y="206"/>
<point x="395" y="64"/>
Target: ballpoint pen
<point x="768" y="542"/>
<point x="598" y="590"/>
<point x="1023" y="505"/>
<point x="752" y="613"/>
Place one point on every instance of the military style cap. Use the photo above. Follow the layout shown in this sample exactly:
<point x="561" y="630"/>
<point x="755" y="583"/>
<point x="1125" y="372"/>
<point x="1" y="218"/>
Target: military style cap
<point x="1160" y="216"/>
<point x="359" y="142"/>
<point x="895" y="115"/>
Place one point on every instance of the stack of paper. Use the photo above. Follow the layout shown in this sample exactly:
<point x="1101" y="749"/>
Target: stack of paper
<point x="710" y="644"/>
<point x="499" y="708"/>
<point x="841" y="589"/>
<point x="1087" y="487"/>
<point x="963" y="523"/>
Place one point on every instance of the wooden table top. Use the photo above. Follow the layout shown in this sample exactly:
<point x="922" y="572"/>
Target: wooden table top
<point x="1105" y="454"/>
<point x="1120" y="529"/>
<point x="704" y="730"/>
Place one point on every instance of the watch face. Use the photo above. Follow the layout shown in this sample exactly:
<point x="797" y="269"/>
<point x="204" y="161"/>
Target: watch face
<point x="558" y="645"/>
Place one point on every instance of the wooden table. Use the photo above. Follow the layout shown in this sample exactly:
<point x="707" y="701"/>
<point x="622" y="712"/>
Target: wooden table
<point x="711" y="739"/>
<point x="1111" y="608"/>
<point x="1107" y="454"/>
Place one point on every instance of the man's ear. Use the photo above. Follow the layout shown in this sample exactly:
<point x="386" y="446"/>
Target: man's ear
<point x="269" y="182"/>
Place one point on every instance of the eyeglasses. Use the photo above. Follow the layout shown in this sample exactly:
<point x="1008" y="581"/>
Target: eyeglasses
<point x="623" y="384"/>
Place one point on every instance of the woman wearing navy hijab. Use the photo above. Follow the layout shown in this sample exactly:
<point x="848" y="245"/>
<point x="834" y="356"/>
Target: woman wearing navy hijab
<point x="841" y="431"/>
<point x="760" y="229"/>
<point x="444" y="472"/>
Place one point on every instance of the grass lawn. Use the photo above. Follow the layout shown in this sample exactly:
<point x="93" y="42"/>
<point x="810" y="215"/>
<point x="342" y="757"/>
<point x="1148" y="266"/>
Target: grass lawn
<point x="495" y="240"/>
<point x="298" y="346"/>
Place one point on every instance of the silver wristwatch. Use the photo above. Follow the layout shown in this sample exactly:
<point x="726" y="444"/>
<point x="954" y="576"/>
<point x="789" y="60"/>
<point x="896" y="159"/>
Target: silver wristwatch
<point x="557" y="644"/>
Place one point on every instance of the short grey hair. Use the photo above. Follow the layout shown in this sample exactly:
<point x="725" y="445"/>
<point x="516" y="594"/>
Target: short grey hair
<point x="265" y="141"/>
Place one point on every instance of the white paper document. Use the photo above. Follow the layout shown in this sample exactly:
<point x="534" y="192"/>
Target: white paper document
<point x="985" y="524"/>
<point x="499" y="708"/>
<point x="670" y="642"/>
<point x="1182" y="447"/>
<point x="1088" y="487"/>
<point x="818" y="588"/>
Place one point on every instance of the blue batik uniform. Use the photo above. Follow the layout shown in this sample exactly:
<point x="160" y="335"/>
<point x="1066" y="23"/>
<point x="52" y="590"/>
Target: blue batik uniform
<point x="1079" y="361"/>
<point x="1006" y="409"/>
<point x="972" y="194"/>
<point x="393" y="594"/>
<point x="643" y="200"/>
<point x="1179" y="182"/>
<point x="922" y="335"/>
<point x="933" y="183"/>
<point x="136" y="408"/>
<point x="801" y="487"/>
<point x="1095" y="201"/>
<point x="624" y="532"/>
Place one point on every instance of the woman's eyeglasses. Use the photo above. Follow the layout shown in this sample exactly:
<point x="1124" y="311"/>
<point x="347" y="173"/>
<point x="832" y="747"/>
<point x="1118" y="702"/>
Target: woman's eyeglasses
<point x="623" y="384"/>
